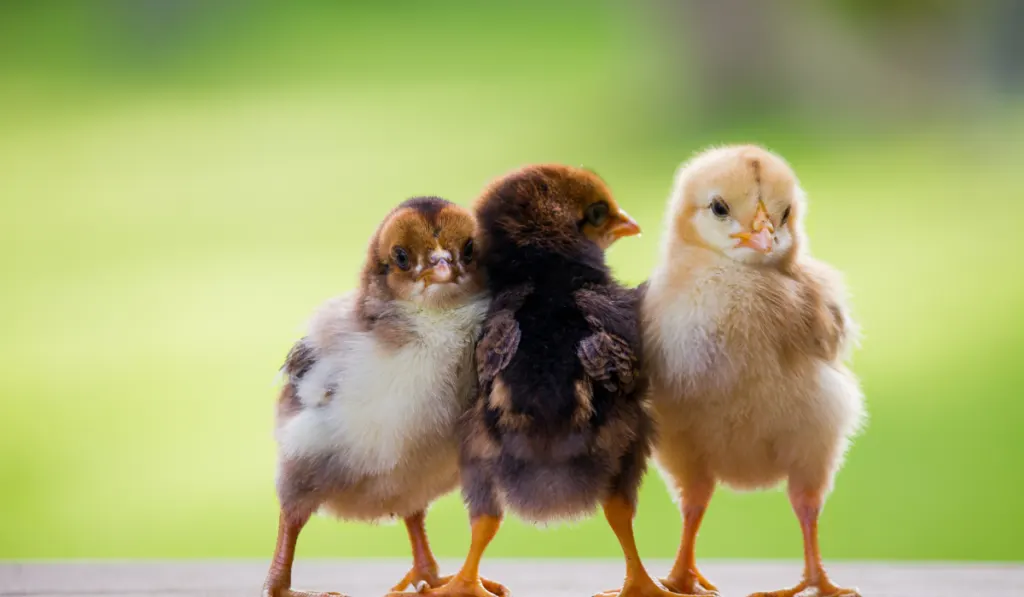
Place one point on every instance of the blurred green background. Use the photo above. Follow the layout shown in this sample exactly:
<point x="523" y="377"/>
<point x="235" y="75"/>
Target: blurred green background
<point x="182" y="182"/>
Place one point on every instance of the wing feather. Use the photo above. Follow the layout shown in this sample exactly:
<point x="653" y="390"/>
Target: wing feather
<point x="608" y="358"/>
<point x="497" y="346"/>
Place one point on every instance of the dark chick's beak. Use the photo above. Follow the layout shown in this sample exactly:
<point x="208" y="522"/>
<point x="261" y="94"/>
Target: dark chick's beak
<point x="440" y="270"/>
<point x="623" y="225"/>
<point x="761" y="229"/>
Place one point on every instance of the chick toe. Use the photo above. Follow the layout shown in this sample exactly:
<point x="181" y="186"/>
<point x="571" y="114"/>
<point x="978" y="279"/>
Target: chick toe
<point x="420" y="579"/>
<point x="692" y="582"/>
<point x="642" y="587"/>
<point x="268" y="592"/>
<point x="460" y="587"/>
<point x="805" y="589"/>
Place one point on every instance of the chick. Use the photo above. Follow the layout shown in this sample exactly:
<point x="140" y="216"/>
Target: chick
<point x="560" y="424"/>
<point x="746" y="336"/>
<point x="366" y="419"/>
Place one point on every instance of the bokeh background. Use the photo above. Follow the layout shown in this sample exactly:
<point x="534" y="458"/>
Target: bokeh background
<point x="182" y="182"/>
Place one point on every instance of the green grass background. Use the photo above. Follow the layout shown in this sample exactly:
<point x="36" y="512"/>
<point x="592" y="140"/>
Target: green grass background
<point x="169" y="219"/>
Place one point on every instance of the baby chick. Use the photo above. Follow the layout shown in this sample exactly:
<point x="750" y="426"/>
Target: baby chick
<point x="746" y="336"/>
<point x="366" y="419"/>
<point x="560" y="424"/>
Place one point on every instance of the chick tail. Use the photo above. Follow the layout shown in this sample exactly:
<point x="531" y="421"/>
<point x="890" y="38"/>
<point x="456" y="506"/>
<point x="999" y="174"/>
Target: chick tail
<point x="543" y="490"/>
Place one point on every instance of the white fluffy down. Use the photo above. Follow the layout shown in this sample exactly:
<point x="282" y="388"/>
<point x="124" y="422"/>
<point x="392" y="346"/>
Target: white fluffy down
<point x="389" y="414"/>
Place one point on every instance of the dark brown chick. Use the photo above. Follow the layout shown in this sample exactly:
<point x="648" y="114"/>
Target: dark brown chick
<point x="366" y="423"/>
<point x="560" y="425"/>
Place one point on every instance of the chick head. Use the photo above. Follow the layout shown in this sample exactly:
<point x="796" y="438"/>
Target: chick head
<point x="551" y="206"/>
<point x="743" y="202"/>
<point x="424" y="252"/>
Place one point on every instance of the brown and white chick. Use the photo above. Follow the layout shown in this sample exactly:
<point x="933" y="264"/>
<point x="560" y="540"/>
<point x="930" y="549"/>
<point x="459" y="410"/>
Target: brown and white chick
<point x="745" y="337"/>
<point x="366" y="419"/>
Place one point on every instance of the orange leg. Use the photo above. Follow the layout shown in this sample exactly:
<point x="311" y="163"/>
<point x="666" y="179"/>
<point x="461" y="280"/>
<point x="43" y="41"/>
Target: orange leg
<point x="424" y="567"/>
<point x="684" y="576"/>
<point x="638" y="583"/>
<point x="279" y="578"/>
<point x="467" y="582"/>
<point x="807" y="506"/>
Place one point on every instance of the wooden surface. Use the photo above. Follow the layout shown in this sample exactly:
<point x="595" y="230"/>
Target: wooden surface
<point x="548" y="578"/>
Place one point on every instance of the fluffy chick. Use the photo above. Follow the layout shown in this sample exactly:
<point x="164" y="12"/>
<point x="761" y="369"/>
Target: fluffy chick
<point x="366" y="419"/>
<point x="746" y="336"/>
<point x="560" y="425"/>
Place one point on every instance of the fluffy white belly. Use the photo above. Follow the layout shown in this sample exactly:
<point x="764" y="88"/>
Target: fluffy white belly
<point x="374" y="407"/>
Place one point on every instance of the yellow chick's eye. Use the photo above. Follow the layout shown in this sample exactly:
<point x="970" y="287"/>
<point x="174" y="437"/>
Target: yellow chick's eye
<point x="597" y="213"/>
<point x="719" y="207"/>
<point x="401" y="258"/>
<point x="785" y="216"/>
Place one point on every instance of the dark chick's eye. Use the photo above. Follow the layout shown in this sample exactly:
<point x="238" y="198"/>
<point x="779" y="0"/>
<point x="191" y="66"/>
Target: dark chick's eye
<point x="597" y="213"/>
<point x="719" y="208"/>
<point x="467" y="251"/>
<point x="401" y="258"/>
<point x="785" y="216"/>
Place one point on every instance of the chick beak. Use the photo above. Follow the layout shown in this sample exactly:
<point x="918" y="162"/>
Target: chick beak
<point x="623" y="225"/>
<point x="760" y="236"/>
<point x="440" y="270"/>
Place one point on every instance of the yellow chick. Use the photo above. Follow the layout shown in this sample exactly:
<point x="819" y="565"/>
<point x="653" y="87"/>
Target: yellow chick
<point x="745" y="336"/>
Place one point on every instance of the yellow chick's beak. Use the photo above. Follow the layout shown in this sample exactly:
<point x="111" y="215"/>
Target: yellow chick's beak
<point x="440" y="270"/>
<point x="623" y="226"/>
<point x="760" y="236"/>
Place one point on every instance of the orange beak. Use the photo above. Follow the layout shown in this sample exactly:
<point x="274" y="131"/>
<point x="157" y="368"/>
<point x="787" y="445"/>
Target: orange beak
<point x="760" y="236"/>
<point x="623" y="226"/>
<point x="440" y="270"/>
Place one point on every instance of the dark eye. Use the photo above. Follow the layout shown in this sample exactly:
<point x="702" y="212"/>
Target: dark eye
<point x="401" y="258"/>
<point x="467" y="251"/>
<point x="719" y="208"/>
<point x="785" y="216"/>
<point x="597" y="213"/>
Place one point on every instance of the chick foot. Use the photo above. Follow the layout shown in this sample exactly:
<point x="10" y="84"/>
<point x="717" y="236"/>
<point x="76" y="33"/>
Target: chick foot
<point x="455" y="586"/>
<point x="420" y="579"/>
<point x="821" y="589"/>
<point x="691" y="582"/>
<point x="806" y="504"/>
<point x="279" y="578"/>
<point x="641" y="587"/>
<point x="269" y="592"/>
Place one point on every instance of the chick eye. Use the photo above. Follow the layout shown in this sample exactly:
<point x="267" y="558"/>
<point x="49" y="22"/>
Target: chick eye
<point x="719" y="208"/>
<point x="467" y="251"/>
<point x="785" y="216"/>
<point x="597" y="213"/>
<point x="401" y="258"/>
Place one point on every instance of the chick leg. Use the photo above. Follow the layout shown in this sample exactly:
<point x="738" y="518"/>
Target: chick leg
<point x="279" y="578"/>
<point x="424" y="566"/>
<point x="807" y="506"/>
<point x="684" y="576"/>
<point x="638" y="583"/>
<point x="467" y="582"/>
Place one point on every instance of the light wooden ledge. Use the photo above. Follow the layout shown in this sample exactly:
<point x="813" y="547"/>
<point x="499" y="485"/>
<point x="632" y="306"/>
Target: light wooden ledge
<point x="541" y="578"/>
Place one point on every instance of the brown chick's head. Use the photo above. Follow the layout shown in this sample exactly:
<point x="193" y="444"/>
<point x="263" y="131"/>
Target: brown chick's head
<point x="743" y="202"/>
<point x="424" y="253"/>
<point x="553" y="207"/>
